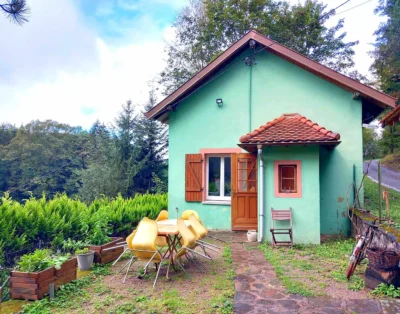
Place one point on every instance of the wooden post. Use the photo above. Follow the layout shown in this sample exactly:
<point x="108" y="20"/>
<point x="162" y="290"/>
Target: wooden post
<point x="1" y="294"/>
<point x="51" y="290"/>
<point x="380" y="190"/>
<point x="354" y="185"/>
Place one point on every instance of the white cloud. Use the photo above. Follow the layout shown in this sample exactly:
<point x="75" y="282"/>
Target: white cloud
<point x="64" y="80"/>
<point x="123" y="74"/>
<point x="54" y="40"/>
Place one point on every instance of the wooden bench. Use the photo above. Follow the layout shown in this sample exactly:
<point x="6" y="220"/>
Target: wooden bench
<point x="281" y="215"/>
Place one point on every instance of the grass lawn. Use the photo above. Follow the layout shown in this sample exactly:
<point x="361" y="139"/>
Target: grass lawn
<point x="317" y="270"/>
<point x="371" y="200"/>
<point x="102" y="291"/>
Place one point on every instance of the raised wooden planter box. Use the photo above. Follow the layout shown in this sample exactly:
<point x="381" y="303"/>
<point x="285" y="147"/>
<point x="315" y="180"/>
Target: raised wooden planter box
<point x="67" y="273"/>
<point x="35" y="285"/>
<point x="104" y="257"/>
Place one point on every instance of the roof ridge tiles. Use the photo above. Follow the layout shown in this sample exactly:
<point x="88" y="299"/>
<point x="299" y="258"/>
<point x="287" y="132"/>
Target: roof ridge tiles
<point x="290" y="131"/>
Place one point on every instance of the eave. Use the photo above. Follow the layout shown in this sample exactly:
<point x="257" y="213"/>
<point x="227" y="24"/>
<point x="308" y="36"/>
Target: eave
<point x="368" y="95"/>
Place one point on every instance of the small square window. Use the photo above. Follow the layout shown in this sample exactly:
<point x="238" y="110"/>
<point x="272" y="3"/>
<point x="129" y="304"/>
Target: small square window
<point x="287" y="179"/>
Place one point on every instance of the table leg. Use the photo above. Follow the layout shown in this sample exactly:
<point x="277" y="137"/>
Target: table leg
<point x="169" y="264"/>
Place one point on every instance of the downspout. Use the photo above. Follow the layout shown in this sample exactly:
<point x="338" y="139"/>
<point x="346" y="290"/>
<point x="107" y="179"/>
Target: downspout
<point x="260" y="195"/>
<point x="250" y="99"/>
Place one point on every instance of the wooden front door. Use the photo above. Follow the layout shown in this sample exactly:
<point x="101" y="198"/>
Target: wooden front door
<point x="244" y="192"/>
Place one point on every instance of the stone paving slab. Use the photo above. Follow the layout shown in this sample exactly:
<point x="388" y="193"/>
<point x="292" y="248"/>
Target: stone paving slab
<point x="258" y="290"/>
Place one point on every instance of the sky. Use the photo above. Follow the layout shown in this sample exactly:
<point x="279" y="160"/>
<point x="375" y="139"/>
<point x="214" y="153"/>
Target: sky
<point x="76" y="61"/>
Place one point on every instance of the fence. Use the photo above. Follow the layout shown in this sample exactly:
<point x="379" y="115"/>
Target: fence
<point x="374" y="196"/>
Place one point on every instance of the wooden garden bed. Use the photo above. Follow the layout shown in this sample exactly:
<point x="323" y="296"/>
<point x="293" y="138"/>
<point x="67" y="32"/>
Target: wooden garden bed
<point x="104" y="257"/>
<point x="35" y="285"/>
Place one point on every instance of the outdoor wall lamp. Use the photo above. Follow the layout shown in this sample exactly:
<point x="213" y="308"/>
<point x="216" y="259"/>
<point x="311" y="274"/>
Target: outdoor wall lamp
<point x="219" y="102"/>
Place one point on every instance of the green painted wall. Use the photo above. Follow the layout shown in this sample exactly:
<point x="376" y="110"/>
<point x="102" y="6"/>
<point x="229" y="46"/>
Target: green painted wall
<point x="305" y="210"/>
<point x="277" y="87"/>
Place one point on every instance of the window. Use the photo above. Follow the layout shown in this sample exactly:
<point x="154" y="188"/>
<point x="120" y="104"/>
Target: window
<point x="218" y="177"/>
<point x="287" y="178"/>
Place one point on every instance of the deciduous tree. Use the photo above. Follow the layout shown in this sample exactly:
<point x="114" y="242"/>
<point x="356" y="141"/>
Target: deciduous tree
<point x="205" y="28"/>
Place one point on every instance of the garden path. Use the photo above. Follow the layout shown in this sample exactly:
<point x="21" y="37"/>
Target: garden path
<point x="258" y="290"/>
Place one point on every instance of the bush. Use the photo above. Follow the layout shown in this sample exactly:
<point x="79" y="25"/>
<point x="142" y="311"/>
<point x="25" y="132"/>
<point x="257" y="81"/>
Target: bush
<point x="23" y="226"/>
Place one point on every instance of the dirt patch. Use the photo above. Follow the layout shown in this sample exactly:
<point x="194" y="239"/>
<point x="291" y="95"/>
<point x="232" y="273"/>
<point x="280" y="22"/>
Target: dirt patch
<point x="391" y="161"/>
<point x="208" y="291"/>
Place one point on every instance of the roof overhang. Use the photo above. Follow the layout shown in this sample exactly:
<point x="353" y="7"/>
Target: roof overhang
<point x="392" y="117"/>
<point x="252" y="147"/>
<point x="373" y="100"/>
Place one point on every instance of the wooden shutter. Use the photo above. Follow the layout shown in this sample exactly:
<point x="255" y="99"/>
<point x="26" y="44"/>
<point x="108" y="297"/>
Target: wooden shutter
<point x="193" y="180"/>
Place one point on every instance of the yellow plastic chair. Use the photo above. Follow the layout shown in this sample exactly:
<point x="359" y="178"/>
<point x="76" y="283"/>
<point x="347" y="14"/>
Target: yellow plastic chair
<point x="163" y="215"/>
<point x="188" y="212"/>
<point x="201" y="232"/>
<point x="161" y="241"/>
<point x="188" y="243"/>
<point x="143" y="246"/>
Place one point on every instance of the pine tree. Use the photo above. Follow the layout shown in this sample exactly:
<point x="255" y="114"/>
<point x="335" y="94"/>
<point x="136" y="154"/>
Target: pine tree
<point x="152" y="142"/>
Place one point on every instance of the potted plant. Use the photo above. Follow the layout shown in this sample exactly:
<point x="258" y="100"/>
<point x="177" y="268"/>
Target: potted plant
<point x="85" y="258"/>
<point x="84" y="255"/>
<point x="36" y="271"/>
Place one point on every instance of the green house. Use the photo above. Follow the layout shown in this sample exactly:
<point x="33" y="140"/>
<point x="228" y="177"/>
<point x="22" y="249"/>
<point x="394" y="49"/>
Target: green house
<point x="264" y="127"/>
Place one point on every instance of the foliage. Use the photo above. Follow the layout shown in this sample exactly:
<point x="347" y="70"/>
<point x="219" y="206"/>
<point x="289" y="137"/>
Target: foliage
<point x="204" y="29"/>
<point x="98" y="233"/>
<point x="16" y="10"/>
<point x="371" y="146"/>
<point x="41" y="260"/>
<point x="127" y="159"/>
<point x="390" y="140"/>
<point x="152" y="142"/>
<point x="73" y="246"/>
<point x="386" y="55"/>
<point x="43" y="156"/>
<point x="387" y="291"/>
<point x="82" y="251"/>
<point x="24" y="225"/>
<point x="371" y="200"/>
<point x="50" y="157"/>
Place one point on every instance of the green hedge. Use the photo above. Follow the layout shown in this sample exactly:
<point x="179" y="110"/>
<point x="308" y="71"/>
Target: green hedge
<point x="51" y="221"/>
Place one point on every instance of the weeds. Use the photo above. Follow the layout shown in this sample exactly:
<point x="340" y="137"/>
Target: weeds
<point x="307" y="269"/>
<point x="387" y="291"/>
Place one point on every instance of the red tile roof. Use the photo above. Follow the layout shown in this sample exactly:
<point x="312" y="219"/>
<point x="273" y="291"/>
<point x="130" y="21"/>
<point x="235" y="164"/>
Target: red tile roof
<point x="290" y="128"/>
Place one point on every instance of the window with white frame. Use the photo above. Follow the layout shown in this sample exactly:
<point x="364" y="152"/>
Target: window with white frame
<point x="218" y="181"/>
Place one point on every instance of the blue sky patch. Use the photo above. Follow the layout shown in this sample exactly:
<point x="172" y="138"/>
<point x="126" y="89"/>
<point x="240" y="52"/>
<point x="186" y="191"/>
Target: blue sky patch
<point x="111" y="18"/>
<point x="87" y="111"/>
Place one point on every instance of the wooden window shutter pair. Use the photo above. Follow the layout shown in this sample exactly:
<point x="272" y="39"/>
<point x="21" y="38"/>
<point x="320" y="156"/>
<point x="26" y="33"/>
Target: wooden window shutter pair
<point x="193" y="180"/>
